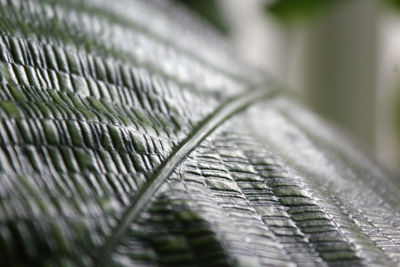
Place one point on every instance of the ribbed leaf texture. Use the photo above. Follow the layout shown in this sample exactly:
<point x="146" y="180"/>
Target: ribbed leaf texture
<point x="130" y="135"/>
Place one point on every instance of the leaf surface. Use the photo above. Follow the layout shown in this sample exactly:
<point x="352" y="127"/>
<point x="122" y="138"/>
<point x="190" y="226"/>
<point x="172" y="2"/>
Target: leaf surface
<point x="130" y="134"/>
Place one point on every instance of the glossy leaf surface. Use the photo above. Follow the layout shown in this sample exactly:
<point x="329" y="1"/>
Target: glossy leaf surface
<point x="130" y="135"/>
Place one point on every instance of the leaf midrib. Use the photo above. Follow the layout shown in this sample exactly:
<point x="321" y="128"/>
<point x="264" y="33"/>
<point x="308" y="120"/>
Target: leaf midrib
<point x="199" y="133"/>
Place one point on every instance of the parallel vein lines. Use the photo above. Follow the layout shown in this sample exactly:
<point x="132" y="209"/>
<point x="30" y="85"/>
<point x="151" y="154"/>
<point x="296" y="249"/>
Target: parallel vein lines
<point x="120" y="25"/>
<point x="144" y="195"/>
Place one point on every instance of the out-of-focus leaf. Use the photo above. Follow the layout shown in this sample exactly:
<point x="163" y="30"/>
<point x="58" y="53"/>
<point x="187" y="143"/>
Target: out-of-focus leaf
<point x="394" y="3"/>
<point x="210" y="11"/>
<point x="131" y="135"/>
<point x="295" y="10"/>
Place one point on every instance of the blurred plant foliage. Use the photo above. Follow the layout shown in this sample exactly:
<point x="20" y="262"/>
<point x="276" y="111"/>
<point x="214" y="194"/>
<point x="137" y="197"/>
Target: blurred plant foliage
<point x="294" y="10"/>
<point x="288" y="11"/>
<point x="210" y="11"/>
<point x="395" y="3"/>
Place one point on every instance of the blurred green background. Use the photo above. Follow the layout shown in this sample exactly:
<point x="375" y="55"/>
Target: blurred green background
<point x="342" y="57"/>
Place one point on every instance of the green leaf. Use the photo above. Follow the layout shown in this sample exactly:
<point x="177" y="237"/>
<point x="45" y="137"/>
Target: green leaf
<point x="210" y="11"/>
<point x="130" y="134"/>
<point x="394" y="3"/>
<point x="295" y="10"/>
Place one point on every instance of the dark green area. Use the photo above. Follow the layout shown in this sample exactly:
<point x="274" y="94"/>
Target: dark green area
<point x="210" y="11"/>
<point x="295" y="10"/>
<point x="395" y="3"/>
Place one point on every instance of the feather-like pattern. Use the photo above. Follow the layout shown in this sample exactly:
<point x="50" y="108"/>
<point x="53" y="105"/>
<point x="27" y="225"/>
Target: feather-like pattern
<point x="130" y="134"/>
